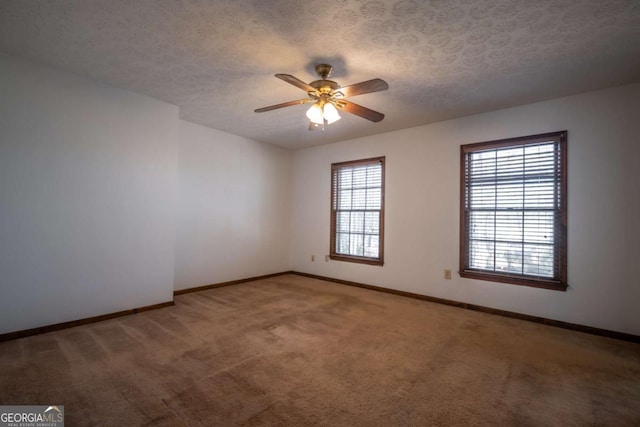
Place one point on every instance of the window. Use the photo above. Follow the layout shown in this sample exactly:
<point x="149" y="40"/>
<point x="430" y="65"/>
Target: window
<point x="357" y="211"/>
<point x="514" y="211"/>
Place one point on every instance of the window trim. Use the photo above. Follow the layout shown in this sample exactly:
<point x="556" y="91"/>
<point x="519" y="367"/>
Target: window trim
<point x="560" y="244"/>
<point x="332" y="241"/>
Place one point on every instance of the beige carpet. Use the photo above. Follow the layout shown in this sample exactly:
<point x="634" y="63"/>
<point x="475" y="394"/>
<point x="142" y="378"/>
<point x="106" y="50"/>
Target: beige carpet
<point x="296" y="351"/>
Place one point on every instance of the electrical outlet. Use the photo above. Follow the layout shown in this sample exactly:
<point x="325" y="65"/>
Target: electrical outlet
<point x="447" y="274"/>
<point x="326" y="258"/>
<point x="313" y="258"/>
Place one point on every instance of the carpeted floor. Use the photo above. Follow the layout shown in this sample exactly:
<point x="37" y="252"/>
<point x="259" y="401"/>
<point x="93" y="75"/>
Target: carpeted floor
<point x="296" y="351"/>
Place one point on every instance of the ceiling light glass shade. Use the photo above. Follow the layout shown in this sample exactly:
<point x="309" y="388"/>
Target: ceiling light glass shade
<point x="315" y="114"/>
<point x="330" y="113"/>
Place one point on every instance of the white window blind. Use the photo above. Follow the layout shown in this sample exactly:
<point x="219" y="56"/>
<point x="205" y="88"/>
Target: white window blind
<point x="514" y="208"/>
<point x="357" y="209"/>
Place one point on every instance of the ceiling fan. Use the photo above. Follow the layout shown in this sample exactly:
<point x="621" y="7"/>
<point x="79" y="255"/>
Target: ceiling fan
<point x="328" y="97"/>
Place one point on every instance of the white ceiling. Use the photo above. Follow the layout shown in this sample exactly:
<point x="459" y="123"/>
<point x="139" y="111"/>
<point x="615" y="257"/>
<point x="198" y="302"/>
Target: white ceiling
<point x="216" y="59"/>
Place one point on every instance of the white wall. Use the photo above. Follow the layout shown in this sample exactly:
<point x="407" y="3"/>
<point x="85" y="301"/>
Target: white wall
<point x="234" y="208"/>
<point x="87" y="197"/>
<point x="422" y="208"/>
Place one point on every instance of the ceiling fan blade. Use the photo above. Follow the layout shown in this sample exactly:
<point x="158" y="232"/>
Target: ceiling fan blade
<point x="374" y="85"/>
<point x="359" y="110"/>
<point x="296" y="82"/>
<point x="284" y="104"/>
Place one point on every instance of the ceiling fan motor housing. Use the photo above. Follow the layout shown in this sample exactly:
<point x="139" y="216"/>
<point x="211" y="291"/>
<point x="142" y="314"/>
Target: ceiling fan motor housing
<point x="324" y="86"/>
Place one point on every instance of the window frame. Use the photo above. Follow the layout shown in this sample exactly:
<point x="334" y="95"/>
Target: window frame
<point x="559" y="281"/>
<point x="379" y="260"/>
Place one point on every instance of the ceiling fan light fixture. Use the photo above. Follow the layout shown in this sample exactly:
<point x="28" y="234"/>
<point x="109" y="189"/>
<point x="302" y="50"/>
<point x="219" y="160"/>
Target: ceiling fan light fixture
<point x="327" y="97"/>
<point x="314" y="113"/>
<point x="331" y="113"/>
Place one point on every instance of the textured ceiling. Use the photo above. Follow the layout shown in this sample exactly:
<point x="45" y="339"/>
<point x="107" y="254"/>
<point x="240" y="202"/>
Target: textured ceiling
<point x="216" y="59"/>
